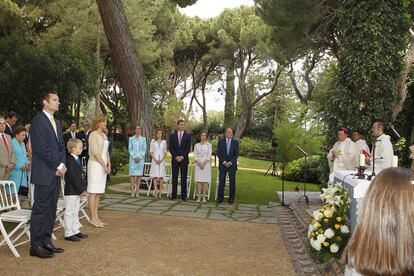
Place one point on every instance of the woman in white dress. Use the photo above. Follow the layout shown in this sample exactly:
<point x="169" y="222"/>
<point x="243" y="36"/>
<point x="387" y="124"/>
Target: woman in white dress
<point x="158" y="151"/>
<point x="202" y="156"/>
<point x="99" y="165"/>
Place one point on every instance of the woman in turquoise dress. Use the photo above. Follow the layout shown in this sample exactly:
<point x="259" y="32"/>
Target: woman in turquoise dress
<point x="137" y="148"/>
<point x="19" y="173"/>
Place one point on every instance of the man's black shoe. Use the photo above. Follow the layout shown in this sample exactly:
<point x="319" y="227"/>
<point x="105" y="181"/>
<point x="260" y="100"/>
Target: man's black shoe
<point x="53" y="249"/>
<point x="40" y="252"/>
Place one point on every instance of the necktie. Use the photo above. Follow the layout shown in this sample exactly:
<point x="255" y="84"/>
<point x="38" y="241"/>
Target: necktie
<point x="73" y="135"/>
<point x="78" y="161"/>
<point x="5" y="142"/>
<point x="54" y="125"/>
<point x="228" y="146"/>
<point x="180" y="137"/>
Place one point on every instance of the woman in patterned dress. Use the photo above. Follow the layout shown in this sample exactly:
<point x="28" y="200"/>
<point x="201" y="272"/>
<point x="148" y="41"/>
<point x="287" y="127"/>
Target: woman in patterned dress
<point x="137" y="148"/>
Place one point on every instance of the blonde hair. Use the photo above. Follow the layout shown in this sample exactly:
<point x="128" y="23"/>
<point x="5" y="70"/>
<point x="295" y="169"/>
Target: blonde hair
<point x="72" y="143"/>
<point x="383" y="241"/>
<point x="98" y="119"/>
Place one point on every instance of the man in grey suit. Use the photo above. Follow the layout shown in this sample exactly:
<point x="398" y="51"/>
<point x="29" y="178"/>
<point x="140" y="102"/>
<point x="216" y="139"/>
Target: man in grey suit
<point x="7" y="155"/>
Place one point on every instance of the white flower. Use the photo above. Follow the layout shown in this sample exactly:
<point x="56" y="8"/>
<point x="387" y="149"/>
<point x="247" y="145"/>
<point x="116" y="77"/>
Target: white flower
<point x="315" y="244"/>
<point x="329" y="233"/>
<point x="321" y="238"/>
<point x="344" y="229"/>
<point x="311" y="228"/>
<point x="318" y="216"/>
<point x="334" y="248"/>
<point x="328" y="213"/>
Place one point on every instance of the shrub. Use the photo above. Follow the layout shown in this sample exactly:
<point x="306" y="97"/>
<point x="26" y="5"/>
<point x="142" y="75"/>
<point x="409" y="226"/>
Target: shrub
<point x="247" y="144"/>
<point x="295" y="169"/>
<point x="119" y="158"/>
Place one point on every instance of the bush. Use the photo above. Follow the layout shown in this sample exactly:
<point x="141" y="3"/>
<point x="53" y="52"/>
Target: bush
<point x="295" y="169"/>
<point x="119" y="158"/>
<point x="247" y="144"/>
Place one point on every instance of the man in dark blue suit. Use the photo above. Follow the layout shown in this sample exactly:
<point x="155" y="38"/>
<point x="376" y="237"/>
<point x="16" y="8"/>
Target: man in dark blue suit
<point x="47" y="169"/>
<point x="180" y="147"/>
<point x="227" y="152"/>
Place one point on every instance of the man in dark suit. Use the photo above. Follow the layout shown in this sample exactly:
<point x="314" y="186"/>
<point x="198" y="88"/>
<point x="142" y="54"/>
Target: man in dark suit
<point x="84" y="136"/>
<point x="47" y="169"/>
<point x="11" y="123"/>
<point x="180" y="147"/>
<point x="227" y="152"/>
<point x="71" y="134"/>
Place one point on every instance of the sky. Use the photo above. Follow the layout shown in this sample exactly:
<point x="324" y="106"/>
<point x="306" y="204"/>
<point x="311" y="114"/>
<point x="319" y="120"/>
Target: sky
<point x="212" y="8"/>
<point x="207" y="9"/>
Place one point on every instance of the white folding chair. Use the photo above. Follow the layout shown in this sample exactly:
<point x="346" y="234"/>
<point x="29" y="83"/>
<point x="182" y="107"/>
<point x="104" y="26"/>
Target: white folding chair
<point x="82" y="206"/>
<point x="10" y="211"/>
<point x="146" y="177"/>
<point x="167" y="180"/>
<point x="226" y="184"/>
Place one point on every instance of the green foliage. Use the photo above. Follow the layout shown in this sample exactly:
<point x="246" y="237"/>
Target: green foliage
<point x="247" y="144"/>
<point x="373" y="38"/>
<point x="288" y="135"/>
<point x="9" y="16"/>
<point x="119" y="158"/>
<point x="173" y="112"/>
<point x="297" y="30"/>
<point x="27" y="70"/>
<point x="295" y="170"/>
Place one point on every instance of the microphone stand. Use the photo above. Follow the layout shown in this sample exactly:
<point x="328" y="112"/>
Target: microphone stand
<point x="304" y="175"/>
<point x="370" y="177"/>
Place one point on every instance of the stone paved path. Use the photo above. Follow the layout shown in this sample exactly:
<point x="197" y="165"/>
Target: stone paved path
<point x="148" y="205"/>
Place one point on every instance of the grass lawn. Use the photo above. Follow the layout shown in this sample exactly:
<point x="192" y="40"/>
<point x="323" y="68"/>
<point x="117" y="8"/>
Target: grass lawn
<point x="251" y="187"/>
<point x="243" y="162"/>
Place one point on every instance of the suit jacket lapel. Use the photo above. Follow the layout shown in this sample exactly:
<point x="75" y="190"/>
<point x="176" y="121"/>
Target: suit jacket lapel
<point x="51" y="127"/>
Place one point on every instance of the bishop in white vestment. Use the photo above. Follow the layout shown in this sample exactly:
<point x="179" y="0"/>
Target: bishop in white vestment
<point x="343" y="155"/>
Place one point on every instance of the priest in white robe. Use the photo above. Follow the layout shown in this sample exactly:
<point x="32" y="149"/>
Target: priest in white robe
<point x="344" y="155"/>
<point x="360" y="143"/>
<point x="384" y="151"/>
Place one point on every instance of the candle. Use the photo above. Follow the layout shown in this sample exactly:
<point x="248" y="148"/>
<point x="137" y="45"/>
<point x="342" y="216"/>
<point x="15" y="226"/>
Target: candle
<point x="362" y="160"/>
<point x="395" y="161"/>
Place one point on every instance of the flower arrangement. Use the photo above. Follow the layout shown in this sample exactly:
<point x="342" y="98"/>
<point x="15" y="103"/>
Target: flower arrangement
<point x="328" y="232"/>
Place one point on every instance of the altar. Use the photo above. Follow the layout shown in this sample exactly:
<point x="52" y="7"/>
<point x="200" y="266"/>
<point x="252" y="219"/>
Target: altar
<point x="357" y="189"/>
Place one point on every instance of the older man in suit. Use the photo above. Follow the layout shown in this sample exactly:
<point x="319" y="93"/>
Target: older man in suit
<point x="227" y="152"/>
<point x="11" y="123"/>
<point x="7" y="155"/>
<point x="47" y="169"/>
<point x="180" y="147"/>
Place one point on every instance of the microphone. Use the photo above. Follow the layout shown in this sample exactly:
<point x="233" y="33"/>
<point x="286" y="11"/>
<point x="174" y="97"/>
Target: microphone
<point x="396" y="133"/>
<point x="301" y="150"/>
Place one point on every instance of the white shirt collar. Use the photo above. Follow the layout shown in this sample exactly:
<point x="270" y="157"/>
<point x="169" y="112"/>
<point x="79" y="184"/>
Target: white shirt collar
<point x="76" y="157"/>
<point x="48" y="115"/>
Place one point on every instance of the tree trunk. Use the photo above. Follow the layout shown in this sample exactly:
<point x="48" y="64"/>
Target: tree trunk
<point x="98" y="110"/>
<point x="243" y="121"/>
<point x="129" y="68"/>
<point x="77" y="111"/>
<point x="229" y="99"/>
<point x="402" y="84"/>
